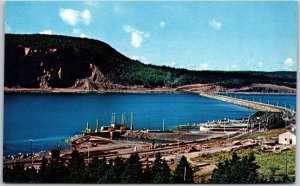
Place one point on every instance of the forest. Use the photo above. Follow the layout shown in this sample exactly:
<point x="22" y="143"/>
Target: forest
<point x="131" y="170"/>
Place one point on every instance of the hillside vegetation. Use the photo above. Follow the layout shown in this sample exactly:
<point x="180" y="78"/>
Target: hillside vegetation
<point x="43" y="61"/>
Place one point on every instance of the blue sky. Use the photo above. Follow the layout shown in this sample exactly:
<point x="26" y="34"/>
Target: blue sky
<point x="258" y="36"/>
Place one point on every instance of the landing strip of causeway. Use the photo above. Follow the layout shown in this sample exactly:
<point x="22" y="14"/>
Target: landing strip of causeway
<point x="249" y="104"/>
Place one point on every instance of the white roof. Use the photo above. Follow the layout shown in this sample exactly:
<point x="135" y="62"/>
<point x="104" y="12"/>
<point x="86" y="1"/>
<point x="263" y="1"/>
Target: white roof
<point x="288" y="133"/>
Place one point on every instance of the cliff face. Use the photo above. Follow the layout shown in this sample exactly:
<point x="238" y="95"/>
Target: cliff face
<point x="43" y="68"/>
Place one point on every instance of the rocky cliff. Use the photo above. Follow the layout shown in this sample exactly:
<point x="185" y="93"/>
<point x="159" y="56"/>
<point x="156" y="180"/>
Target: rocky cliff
<point x="58" y="66"/>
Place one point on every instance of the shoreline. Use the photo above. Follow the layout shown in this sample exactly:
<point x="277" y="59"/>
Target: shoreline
<point x="132" y="91"/>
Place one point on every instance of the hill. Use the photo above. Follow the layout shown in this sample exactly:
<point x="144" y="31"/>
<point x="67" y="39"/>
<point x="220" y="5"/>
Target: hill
<point x="51" y="61"/>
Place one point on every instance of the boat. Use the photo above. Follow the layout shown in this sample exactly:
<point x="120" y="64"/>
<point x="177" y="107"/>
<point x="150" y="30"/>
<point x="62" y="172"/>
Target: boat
<point x="112" y="131"/>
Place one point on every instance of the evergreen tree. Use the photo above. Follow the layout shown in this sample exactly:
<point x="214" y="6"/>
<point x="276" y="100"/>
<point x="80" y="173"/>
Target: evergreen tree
<point x="148" y="174"/>
<point x="54" y="172"/>
<point x="133" y="172"/>
<point x="42" y="170"/>
<point x="183" y="172"/>
<point x="116" y="171"/>
<point x="102" y="170"/>
<point x="160" y="170"/>
<point x="236" y="170"/>
<point x="77" y="168"/>
<point x="92" y="173"/>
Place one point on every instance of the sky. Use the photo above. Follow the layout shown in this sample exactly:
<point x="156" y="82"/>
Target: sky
<point x="231" y="36"/>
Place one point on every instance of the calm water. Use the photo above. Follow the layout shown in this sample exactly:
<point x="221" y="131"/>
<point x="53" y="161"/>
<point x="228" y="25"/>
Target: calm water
<point x="50" y="118"/>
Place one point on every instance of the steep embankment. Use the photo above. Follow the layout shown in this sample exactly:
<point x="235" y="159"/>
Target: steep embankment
<point x="47" y="62"/>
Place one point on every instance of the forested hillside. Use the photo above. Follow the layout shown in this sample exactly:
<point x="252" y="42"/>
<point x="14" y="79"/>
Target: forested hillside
<point x="43" y="61"/>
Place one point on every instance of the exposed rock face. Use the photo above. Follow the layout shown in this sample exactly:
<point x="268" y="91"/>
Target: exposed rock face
<point x="52" y="68"/>
<point x="95" y="82"/>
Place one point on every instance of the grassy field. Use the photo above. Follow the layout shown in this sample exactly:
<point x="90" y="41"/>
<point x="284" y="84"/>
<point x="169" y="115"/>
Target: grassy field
<point x="268" y="134"/>
<point x="266" y="161"/>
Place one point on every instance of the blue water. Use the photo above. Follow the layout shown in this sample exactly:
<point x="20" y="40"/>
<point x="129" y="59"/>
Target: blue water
<point x="50" y="118"/>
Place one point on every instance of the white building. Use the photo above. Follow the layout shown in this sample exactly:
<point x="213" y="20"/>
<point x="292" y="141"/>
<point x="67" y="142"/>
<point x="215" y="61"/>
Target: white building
<point x="288" y="138"/>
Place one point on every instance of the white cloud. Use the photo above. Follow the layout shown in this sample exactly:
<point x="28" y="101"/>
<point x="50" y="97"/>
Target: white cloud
<point x="76" y="31"/>
<point x="72" y="17"/>
<point x="215" y="24"/>
<point x="91" y="2"/>
<point x="289" y="64"/>
<point x="172" y="64"/>
<point x="7" y="28"/>
<point x="82" y="36"/>
<point x="137" y="36"/>
<point x="136" y="39"/>
<point x="128" y="28"/>
<point x="204" y="66"/>
<point x="69" y="16"/>
<point x="260" y="64"/>
<point x="86" y="16"/>
<point x="48" y="32"/>
<point x="234" y="66"/>
<point x="142" y="59"/>
<point x="162" y="24"/>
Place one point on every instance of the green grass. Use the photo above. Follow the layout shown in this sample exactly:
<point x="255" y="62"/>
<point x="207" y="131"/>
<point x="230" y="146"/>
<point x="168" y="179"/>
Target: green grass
<point x="268" y="134"/>
<point x="266" y="160"/>
<point x="271" y="159"/>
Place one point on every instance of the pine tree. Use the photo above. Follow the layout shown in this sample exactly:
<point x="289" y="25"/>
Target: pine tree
<point x="77" y="168"/>
<point x="165" y="172"/>
<point x="133" y="172"/>
<point x="102" y="171"/>
<point x="116" y="171"/>
<point x="236" y="170"/>
<point x="147" y="174"/>
<point x="42" y="170"/>
<point x="183" y="172"/>
<point x="92" y="173"/>
<point x="160" y="170"/>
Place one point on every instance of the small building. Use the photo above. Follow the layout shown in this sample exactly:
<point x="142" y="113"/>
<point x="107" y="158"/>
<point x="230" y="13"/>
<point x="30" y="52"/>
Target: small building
<point x="288" y="138"/>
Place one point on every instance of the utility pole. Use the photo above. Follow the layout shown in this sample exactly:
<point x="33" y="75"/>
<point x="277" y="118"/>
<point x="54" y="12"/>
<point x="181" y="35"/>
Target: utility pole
<point x="286" y="166"/>
<point x="30" y="140"/>
<point x="97" y="120"/>
<point x="163" y="124"/>
<point x="132" y="116"/>
<point x="184" y="174"/>
<point x="88" y="153"/>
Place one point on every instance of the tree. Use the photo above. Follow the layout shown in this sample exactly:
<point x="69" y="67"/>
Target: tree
<point x="236" y="170"/>
<point x="43" y="170"/>
<point x="183" y="172"/>
<point x="102" y="171"/>
<point x="160" y="170"/>
<point x="147" y="174"/>
<point x="116" y="170"/>
<point x="92" y="173"/>
<point x="77" y="167"/>
<point x="133" y="172"/>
